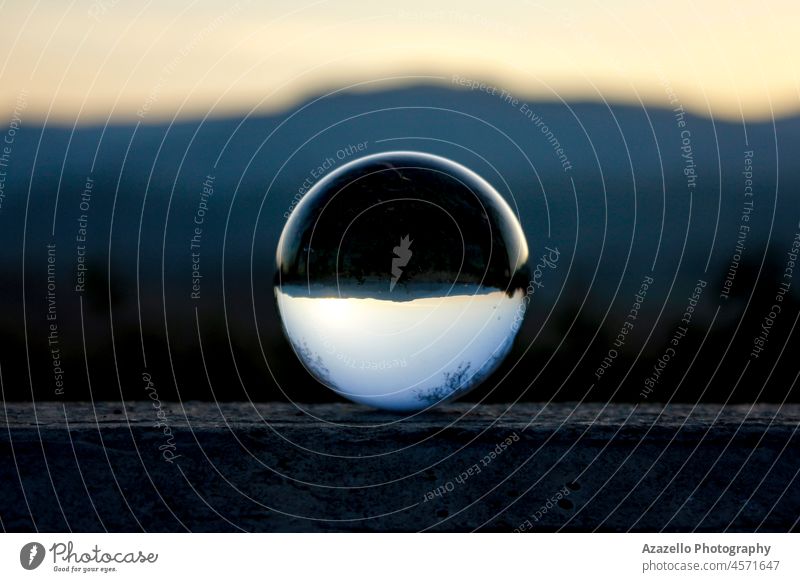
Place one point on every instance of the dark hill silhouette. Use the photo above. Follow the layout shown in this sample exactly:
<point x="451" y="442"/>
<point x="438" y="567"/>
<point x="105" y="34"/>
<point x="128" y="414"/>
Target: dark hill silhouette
<point x="617" y="189"/>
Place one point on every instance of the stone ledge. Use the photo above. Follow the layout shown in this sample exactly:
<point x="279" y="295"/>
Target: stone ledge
<point x="342" y="467"/>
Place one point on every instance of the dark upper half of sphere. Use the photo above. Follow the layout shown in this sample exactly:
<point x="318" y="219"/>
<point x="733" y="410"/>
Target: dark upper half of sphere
<point x="401" y="222"/>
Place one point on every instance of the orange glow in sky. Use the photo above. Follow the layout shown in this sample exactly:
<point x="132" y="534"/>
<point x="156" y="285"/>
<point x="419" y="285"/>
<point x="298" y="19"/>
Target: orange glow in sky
<point x="88" y="60"/>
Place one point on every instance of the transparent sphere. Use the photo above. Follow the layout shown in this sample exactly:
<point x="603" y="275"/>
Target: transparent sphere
<point x="401" y="280"/>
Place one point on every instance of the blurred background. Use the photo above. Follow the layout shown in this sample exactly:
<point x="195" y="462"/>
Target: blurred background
<point x="151" y="153"/>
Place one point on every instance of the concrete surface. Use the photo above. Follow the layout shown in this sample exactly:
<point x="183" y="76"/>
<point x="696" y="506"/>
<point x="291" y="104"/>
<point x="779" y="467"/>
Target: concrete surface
<point x="275" y="467"/>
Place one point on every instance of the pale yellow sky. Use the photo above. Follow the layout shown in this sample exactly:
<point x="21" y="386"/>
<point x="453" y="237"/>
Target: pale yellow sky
<point x="87" y="60"/>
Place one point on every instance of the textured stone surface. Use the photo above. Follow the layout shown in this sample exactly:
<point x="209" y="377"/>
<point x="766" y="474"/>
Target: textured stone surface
<point x="277" y="467"/>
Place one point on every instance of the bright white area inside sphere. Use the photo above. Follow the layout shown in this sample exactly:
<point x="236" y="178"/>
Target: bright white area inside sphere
<point x="401" y="355"/>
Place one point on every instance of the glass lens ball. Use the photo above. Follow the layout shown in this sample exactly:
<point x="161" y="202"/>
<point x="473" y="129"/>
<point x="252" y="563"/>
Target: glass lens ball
<point x="401" y="280"/>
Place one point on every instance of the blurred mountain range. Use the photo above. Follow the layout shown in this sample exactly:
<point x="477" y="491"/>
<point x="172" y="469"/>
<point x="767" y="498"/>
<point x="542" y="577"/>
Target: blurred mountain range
<point x="168" y="232"/>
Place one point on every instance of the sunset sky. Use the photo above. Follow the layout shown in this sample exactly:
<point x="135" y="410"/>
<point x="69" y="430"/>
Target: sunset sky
<point x="87" y="60"/>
